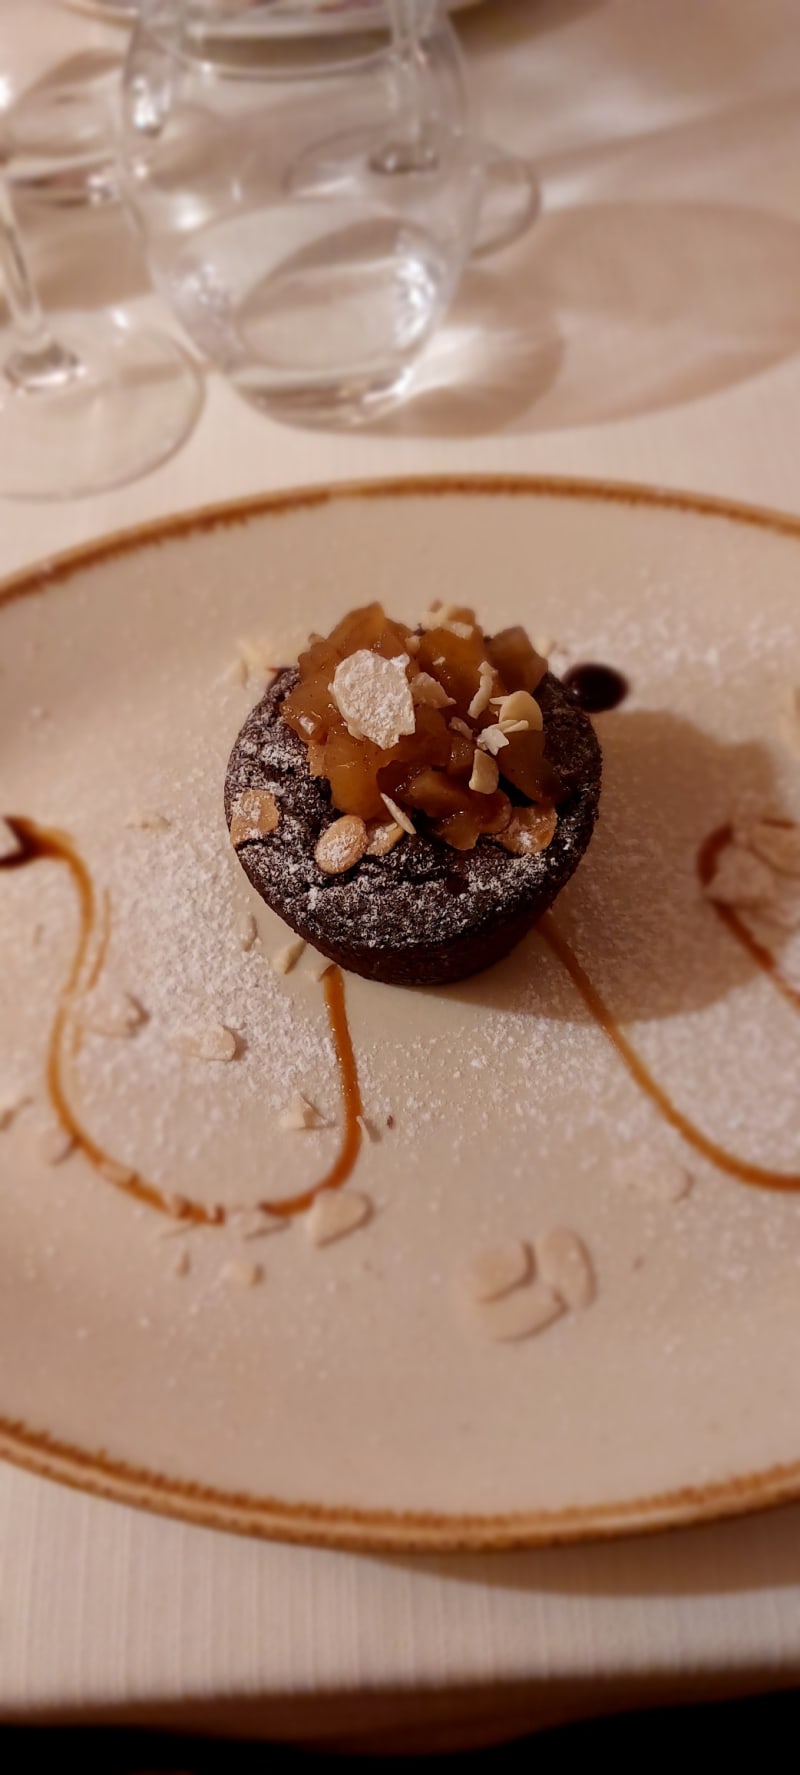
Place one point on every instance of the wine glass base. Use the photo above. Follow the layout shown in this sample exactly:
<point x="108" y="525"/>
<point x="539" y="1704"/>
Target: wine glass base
<point x="133" y="402"/>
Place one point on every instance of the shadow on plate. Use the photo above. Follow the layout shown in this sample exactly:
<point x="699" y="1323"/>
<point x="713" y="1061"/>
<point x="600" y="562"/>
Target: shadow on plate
<point x="609" y="310"/>
<point x="634" y="912"/>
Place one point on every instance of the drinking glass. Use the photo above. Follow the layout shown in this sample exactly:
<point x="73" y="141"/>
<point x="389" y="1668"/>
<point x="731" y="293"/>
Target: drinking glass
<point x="307" y="205"/>
<point x="97" y="405"/>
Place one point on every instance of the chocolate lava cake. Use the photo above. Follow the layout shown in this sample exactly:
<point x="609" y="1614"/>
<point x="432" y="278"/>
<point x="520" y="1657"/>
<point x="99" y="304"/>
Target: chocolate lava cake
<point x="405" y="802"/>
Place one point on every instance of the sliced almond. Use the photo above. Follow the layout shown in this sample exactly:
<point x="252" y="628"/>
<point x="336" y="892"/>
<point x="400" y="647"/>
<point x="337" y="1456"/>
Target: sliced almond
<point x="242" y="1275"/>
<point x="399" y="814"/>
<point x="777" y="843"/>
<point x="373" y="696"/>
<point x="563" y="1262"/>
<point x="284" y="959"/>
<point x="342" y="845"/>
<point x="11" y="1102"/>
<point x="519" y="705"/>
<point x="740" y="879"/>
<point x="246" y="931"/>
<point x="499" y="1269"/>
<point x="480" y="701"/>
<point x="519" y="1314"/>
<point x="258" y="656"/>
<point x="656" y="1176"/>
<point x="459" y="726"/>
<point x="492" y="739"/>
<point x="208" y="1041"/>
<point x="462" y="630"/>
<point x="147" y="819"/>
<point x="112" y="1012"/>
<point x="333" y="1214"/>
<point x="428" y="690"/>
<point x="529" y="830"/>
<point x="382" y="837"/>
<point x="442" y="616"/>
<point x="485" y="773"/>
<point x="254" y="815"/>
<point x="9" y="842"/>
<point x="299" y="1115"/>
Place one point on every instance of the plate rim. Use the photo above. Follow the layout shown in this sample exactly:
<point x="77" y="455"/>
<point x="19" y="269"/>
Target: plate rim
<point x="344" y="1526"/>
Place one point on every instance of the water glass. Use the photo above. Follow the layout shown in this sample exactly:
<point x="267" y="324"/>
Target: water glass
<point x="307" y="206"/>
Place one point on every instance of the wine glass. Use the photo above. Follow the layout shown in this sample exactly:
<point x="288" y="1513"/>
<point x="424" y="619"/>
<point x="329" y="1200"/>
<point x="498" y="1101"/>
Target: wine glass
<point x="98" y="405"/>
<point x="307" y="205"/>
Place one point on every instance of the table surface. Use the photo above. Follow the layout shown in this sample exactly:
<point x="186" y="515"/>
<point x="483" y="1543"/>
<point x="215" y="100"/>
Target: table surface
<point x="647" y="328"/>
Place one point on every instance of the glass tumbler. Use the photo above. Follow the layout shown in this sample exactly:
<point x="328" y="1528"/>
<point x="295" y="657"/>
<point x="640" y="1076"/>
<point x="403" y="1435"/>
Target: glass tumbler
<point x="307" y="206"/>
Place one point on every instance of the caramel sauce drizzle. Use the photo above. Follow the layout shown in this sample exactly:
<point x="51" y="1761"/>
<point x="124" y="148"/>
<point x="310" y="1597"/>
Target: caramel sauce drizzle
<point x="36" y="843"/>
<point x="758" y="1176"/>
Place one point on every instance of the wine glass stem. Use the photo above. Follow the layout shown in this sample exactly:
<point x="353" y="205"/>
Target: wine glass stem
<point x="417" y="152"/>
<point x="36" y="360"/>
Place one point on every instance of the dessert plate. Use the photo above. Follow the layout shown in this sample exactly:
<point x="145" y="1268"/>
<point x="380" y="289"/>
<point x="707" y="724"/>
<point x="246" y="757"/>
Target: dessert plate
<point x="165" y="1345"/>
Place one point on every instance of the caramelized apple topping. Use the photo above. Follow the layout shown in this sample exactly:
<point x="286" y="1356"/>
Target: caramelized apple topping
<point x="439" y="722"/>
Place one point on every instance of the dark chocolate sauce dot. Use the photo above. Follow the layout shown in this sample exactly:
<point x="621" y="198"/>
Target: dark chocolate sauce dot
<point x="596" y="687"/>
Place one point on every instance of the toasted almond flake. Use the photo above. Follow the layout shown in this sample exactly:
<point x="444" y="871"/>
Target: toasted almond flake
<point x="485" y="773"/>
<point x="333" y="1214"/>
<point x="147" y="819"/>
<point x="656" y="1176"/>
<point x="563" y="1262"/>
<point x="300" y="1115"/>
<point x="740" y="879"/>
<point x="543" y="645"/>
<point x="514" y="726"/>
<point x="777" y="844"/>
<point x="342" y="845"/>
<point x="462" y="630"/>
<point x="519" y="1314"/>
<point x="492" y="739"/>
<point x="499" y="1269"/>
<point x="435" y="614"/>
<point x="182" y="1262"/>
<point x="11" y="1102"/>
<point x="519" y="705"/>
<point x="413" y="643"/>
<point x="373" y="696"/>
<point x="254" y="815"/>
<point x="428" y="690"/>
<point x="208" y="1041"/>
<point x="284" y="959"/>
<point x="241" y="1275"/>
<point x="480" y="701"/>
<point x="54" y="1145"/>
<point x="399" y="814"/>
<point x="112" y="1012"/>
<point x="246" y="931"/>
<point x="9" y="843"/>
<point x="529" y="830"/>
<point x="253" y="1223"/>
<point x="258" y="658"/>
<point x="382" y="836"/>
<point x="461" y="727"/>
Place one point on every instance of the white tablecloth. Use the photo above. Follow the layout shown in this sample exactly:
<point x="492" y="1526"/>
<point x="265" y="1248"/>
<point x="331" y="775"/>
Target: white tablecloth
<point x="648" y="329"/>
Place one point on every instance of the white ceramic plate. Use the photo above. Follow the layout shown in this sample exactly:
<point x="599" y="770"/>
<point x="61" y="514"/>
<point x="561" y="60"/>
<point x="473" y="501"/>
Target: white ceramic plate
<point x="350" y="1395"/>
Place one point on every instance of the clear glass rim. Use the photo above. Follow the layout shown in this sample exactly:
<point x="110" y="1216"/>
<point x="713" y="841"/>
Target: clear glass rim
<point x="202" y="36"/>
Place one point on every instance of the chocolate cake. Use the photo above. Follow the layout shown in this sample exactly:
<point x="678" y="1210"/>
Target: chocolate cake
<point x="419" y="910"/>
